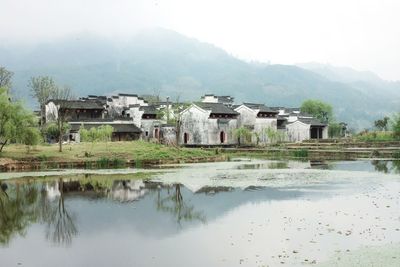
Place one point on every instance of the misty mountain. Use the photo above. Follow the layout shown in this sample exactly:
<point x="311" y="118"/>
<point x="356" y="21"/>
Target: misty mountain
<point x="165" y="62"/>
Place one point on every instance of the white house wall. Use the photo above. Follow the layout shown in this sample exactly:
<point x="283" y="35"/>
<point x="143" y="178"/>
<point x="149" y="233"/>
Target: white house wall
<point x="194" y="122"/>
<point x="203" y="130"/>
<point x="260" y="126"/>
<point x="51" y="112"/>
<point x="298" y="131"/>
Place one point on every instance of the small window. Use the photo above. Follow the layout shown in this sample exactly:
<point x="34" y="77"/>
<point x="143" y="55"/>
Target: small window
<point x="147" y="133"/>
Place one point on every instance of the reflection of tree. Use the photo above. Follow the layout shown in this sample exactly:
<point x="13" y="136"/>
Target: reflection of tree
<point x="174" y="204"/>
<point x="380" y="166"/>
<point x="396" y="166"/>
<point x="17" y="210"/>
<point x="60" y="224"/>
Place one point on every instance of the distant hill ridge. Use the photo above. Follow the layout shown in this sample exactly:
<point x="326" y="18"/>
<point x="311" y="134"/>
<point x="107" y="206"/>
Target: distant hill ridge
<point x="171" y="64"/>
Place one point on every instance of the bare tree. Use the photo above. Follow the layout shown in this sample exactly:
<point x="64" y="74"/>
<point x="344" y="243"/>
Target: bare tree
<point x="62" y="97"/>
<point x="5" y="78"/>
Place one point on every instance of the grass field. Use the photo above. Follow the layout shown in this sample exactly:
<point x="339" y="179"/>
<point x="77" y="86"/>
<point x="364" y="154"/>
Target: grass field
<point x="136" y="150"/>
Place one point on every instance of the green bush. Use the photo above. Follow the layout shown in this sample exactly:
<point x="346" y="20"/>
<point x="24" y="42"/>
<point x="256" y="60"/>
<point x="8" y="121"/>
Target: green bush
<point x="300" y="153"/>
<point x="375" y="136"/>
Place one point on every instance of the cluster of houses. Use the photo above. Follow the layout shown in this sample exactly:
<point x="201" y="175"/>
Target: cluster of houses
<point x="213" y="120"/>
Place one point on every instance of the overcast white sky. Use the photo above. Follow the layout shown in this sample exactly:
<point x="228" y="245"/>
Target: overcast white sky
<point x="363" y="34"/>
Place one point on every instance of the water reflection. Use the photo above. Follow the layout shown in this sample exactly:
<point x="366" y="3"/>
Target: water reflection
<point x="174" y="204"/>
<point x="22" y="204"/>
<point x="236" y="215"/>
<point x="386" y="166"/>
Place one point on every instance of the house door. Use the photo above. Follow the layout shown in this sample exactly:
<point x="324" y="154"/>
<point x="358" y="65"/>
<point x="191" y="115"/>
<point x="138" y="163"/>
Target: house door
<point x="185" y="138"/>
<point x="222" y="137"/>
<point x="156" y="133"/>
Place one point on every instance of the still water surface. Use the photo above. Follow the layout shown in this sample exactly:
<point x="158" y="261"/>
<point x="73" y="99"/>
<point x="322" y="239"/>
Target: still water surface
<point x="240" y="213"/>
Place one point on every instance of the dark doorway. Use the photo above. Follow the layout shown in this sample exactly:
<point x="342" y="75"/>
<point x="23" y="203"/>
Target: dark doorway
<point x="316" y="132"/>
<point x="222" y="137"/>
<point x="156" y="133"/>
<point x="185" y="138"/>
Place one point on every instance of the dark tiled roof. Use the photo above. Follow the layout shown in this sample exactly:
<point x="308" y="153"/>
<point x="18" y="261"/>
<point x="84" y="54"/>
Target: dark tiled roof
<point x="221" y="98"/>
<point x="122" y="94"/>
<point x="105" y="120"/>
<point x="217" y="108"/>
<point x="149" y="110"/>
<point x="312" y="121"/>
<point x="281" y="118"/>
<point x="79" y="104"/>
<point x="261" y="107"/>
<point x="118" y="128"/>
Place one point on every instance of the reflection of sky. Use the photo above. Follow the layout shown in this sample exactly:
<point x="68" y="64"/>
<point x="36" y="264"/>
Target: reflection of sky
<point x="313" y="215"/>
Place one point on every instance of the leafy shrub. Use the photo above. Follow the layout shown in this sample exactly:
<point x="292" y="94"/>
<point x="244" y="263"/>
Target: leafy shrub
<point x="300" y="153"/>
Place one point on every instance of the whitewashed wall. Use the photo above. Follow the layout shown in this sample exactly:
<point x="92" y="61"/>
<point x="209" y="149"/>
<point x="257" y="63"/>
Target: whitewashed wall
<point x="298" y="131"/>
<point x="203" y="130"/>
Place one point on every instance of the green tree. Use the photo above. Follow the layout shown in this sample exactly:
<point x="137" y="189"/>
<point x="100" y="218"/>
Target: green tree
<point x="15" y="121"/>
<point x="395" y="125"/>
<point x="320" y="110"/>
<point x="334" y="130"/>
<point x="31" y="137"/>
<point x="5" y="79"/>
<point x="43" y="89"/>
<point x="242" y="133"/>
<point x="382" y="124"/>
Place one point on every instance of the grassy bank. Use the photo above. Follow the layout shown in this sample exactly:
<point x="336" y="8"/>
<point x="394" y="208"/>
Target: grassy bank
<point x="102" y="154"/>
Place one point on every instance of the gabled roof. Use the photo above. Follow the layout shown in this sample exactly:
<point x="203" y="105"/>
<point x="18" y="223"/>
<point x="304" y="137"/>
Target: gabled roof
<point x="216" y="108"/>
<point x="133" y="95"/>
<point x="260" y="107"/>
<point x="79" y="104"/>
<point x="149" y="110"/>
<point x="221" y="98"/>
<point x="312" y="121"/>
<point x="118" y="128"/>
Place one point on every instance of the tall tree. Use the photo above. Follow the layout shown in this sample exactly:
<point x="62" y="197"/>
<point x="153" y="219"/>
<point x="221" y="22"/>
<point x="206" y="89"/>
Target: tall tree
<point x="382" y="124"/>
<point x="15" y="121"/>
<point x="6" y="79"/>
<point x="43" y="88"/>
<point x="62" y="96"/>
<point x="395" y="125"/>
<point x="321" y="110"/>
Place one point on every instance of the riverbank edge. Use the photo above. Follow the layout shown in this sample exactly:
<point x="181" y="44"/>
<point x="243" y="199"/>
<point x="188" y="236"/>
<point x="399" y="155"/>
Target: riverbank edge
<point x="104" y="163"/>
<point x="221" y="154"/>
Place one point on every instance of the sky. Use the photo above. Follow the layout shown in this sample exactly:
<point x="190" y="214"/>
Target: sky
<point x="362" y="34"/>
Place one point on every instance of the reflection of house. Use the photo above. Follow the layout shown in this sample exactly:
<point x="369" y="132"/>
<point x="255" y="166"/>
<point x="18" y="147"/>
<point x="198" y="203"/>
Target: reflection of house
<point x="305" y="128"/>
<point x="124" y="129"/>
<point x="257" y="118"/>
<point x="128" y="190"/>
<point x="207" y="124"/>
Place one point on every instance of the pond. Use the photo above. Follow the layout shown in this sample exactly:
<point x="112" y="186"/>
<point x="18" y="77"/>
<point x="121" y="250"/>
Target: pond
<point x="239" y="213"/>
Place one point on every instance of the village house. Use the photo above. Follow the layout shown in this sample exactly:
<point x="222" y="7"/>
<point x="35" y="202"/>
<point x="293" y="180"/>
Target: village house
<point x="258" y="119"/>
<point x="207" y="124"/>
<point x="74" y="109"/>
<point x="306" y="128"/>
<point x="212" y="121"/>
<point x="123" y="129"/>
<point x="210" y="98"/>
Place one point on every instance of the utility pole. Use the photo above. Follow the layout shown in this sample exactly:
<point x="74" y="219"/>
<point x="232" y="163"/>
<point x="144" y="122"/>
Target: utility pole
<point x="167" y="109"/>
